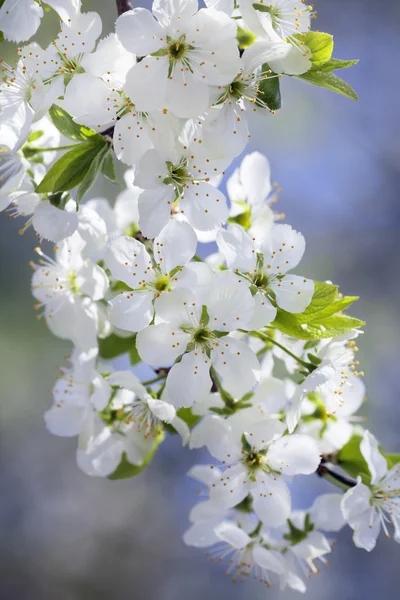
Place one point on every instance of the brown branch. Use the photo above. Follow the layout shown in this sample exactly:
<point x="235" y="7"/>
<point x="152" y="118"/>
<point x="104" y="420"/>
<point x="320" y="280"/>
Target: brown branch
<point x="123" y="6"/>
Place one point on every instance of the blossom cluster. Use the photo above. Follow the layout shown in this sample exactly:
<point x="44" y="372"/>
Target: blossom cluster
<point x="166" y="98"/>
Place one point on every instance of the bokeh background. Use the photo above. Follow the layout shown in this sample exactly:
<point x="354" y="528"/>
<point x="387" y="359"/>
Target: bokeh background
<point x="70" y="537"/>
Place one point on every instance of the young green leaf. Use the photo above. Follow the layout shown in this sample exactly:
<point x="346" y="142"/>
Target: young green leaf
<point x="245" y="38"/>
<point x="352" y="461"/>
<point x="92" y="173"/>
<point x="330" y="82"/>
<point x="67" y="126"/>
<point x="269" y="90"/>
<point x="125" y="469"/>
<point x="113" y="345"/>
<point x="108" y="166"/>
<point x="320" y="45"/>
<point x="335" y="63"/>
<point x="69" y="170"/>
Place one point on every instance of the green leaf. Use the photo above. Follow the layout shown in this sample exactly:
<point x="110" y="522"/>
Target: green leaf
<point x="92" y="173"/>
<point x="330" y="82"/>
<point x="245" y="38"/>
<point x="335" y="63"/>
<point x="269" y="90"/>
<point x="126" y="470"/>
<point x="320" y="45"/>
<point x="113" y="346"/>
<point x="352" y="461"/>
<point x="1" y="36"/>
<point x="187" y="415"/>
<point x="322" y="318"/>
<point x="69" y="170"/>
<point x="108" y="166"/>
<point x="67" y="126"/>
<point x="392" y="459"/>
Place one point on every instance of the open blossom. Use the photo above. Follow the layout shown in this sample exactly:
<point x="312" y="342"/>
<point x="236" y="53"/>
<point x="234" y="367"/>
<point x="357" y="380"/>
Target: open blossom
<point x="284" y="21"/>
<point x="334" y="378"/>
<point x="195" y="327"/>
<point x="265" y="263"/>
<point x="257" y="466"/>
<point x="148" y="277"/>
<point x="185" y="53"/>
<point x="368" y="507"/>
<point x="24" y="95"/>
<point x="98" y="100"/>
<point x="20" y="19"/>
<point x="180" y="174"/>
<point x="68" y="289"/>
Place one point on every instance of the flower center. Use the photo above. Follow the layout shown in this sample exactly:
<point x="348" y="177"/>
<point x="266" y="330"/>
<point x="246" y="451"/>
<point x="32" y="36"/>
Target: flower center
<point x="73" y="282"/>
<point x="202" y="336"/>
<point x="177" y="49"/>
<point x="161" y="283"/>
<point x="236" y="89"/>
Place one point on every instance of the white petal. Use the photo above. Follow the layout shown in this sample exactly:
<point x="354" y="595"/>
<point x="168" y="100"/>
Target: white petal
<point x="19" y="20"/>
<point x="161" y="344"/>
<point x="204" y="206"/>
<point x="178" y="307"/>
<point x="215" y="433"/>
<point x="237" y="364"/>
<point x="232" y="535"/>
<point x="154" y="210"/>
<point x="207" y="474"/>
<point x="264" y="51"/>
<point x="180" y="426"/>
<point x="232" y="487"/>
<point x="230" y="304"/>
<point x="202" y="534"/>
<point x="131" y="311"/>
<point x="128" y="261"/>
<point x="110" y="61"/>
<point x="174" y="13"/>
<point x="186" y="97"/>
<point x="272" y="501"/>
<point x="92" y="281"/>
<point x="260" y="434"/>
<point x="66" y="420"/>
<point x="52" y="223"/>
<point x="162" y="410"/>
<point x="288" y="245"/>
<point x="139" y="32"/>
<point x="131" y="138"/>
<point x="293" y="293"/>
<point x="237" y="248"/>
<point x="376" y="462"/>
<point x="149" y="74"/>
<point x="175" y="245"/>
<point x="271" y="561"/>
<point x="189" y="380"/>
<point x="294" y="63"/>
<point x="67" y="9"/>
<point x="264" y="312"/>
<point x="255" y="177"/>
<point x="326" y="512"/>
<point x="128" y="381"/>
<point x="294" y="454"/>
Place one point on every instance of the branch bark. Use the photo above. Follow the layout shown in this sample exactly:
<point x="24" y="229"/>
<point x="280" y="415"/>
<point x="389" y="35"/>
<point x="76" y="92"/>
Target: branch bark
<point x="123" y="6"/>
<point x="334" y="477"/>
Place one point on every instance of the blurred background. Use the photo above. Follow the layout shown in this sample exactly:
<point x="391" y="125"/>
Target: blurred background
<point x="67" y="536"/>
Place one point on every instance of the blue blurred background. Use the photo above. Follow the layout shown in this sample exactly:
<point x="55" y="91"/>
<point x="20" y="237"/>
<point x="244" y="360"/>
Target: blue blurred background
<point x="70" y="537"/>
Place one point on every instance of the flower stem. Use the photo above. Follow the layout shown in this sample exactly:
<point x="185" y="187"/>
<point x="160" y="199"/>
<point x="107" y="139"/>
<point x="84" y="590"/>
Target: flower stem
<point x="267" y="338"/>
<point x="339" y="480"/>
<point x="155" y="380"/>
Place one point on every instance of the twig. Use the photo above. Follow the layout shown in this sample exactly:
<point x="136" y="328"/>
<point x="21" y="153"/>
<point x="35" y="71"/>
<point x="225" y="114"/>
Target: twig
<point x="340" y="480"/>
<point x="123" y="6"/>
